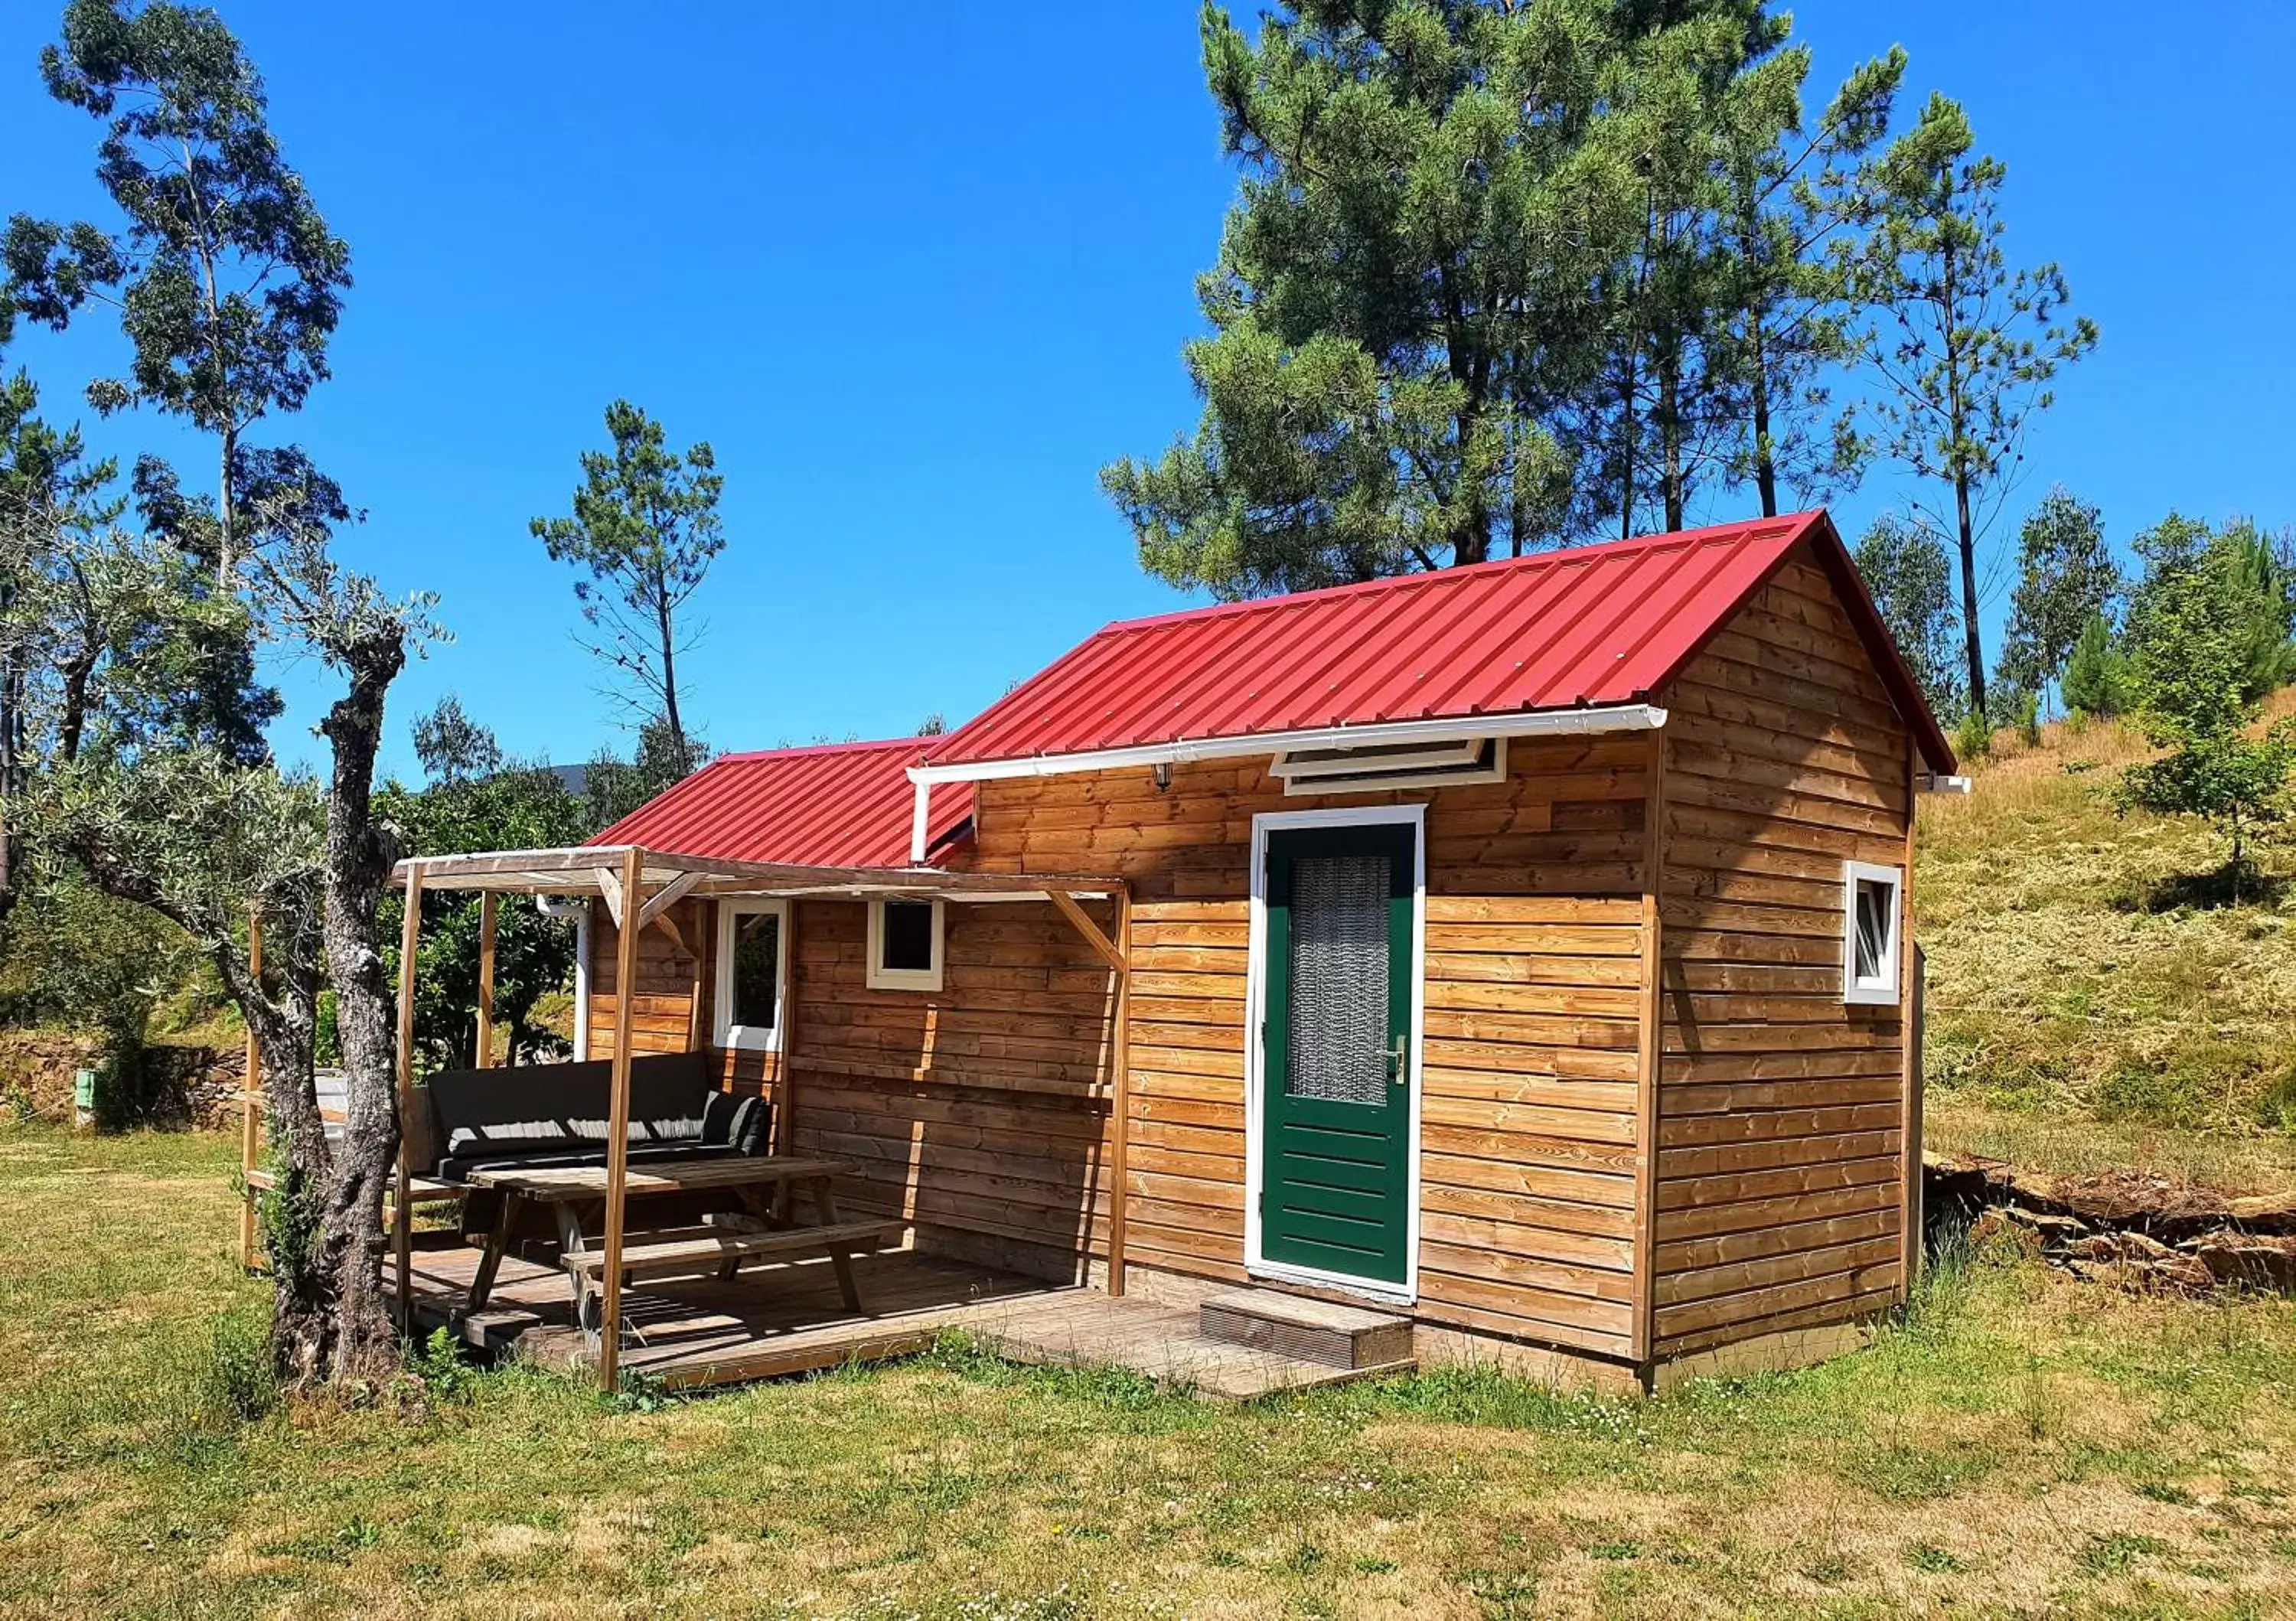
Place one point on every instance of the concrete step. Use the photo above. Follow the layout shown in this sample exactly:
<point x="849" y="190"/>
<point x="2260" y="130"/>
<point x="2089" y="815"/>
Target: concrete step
<point x="1310" y="1330"/>
<point x="1081" y="1329"/>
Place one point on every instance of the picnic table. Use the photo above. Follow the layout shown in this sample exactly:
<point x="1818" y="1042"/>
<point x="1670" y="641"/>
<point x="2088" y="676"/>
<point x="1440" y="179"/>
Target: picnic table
<point x="576" y="1196"/>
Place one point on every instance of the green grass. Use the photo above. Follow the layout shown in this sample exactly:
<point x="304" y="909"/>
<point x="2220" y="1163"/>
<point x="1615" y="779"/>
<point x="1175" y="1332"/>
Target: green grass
<point x="2017" y="1445"/>
<point x="2090" y="1003"/>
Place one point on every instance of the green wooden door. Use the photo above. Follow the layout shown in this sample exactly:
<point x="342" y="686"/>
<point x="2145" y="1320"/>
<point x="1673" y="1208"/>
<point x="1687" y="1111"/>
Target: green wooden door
<point x="1335" y="1098"/>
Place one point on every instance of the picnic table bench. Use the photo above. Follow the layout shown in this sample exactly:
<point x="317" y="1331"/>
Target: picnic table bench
<point x="575" y="1195"/>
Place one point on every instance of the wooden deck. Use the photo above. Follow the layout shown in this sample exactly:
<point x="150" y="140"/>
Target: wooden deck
<point x="697" y="1331"/>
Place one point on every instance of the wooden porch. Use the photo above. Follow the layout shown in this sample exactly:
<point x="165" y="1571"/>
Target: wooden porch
<point x="698" y="1331"/>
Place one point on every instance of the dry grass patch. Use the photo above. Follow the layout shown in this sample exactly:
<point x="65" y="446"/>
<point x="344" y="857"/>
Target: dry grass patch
<point x="2088" y="969"/>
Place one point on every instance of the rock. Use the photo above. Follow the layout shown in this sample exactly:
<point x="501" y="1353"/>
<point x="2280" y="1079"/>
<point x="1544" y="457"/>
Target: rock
<point x="2265" y="1213"/>
<point x="2250" y="1260"/>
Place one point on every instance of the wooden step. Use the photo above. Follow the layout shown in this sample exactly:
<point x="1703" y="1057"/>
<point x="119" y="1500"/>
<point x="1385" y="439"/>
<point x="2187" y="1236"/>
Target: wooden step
<point x="708" y="1254"/>
<point x="1313" y="1331"/>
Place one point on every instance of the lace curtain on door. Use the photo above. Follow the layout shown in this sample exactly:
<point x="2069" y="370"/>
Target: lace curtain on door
<point x="1338" y="1036"/>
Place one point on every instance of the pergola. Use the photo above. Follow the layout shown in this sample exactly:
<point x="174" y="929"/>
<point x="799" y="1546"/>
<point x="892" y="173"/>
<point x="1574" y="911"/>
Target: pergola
<point x="638" y="886"/>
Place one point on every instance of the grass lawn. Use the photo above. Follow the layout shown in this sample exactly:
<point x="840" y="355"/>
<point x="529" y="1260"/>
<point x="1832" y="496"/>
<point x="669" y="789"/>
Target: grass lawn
<point x="2020" y="1446"/>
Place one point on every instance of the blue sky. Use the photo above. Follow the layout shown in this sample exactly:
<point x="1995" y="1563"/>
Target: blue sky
<point x="917" y="272"/>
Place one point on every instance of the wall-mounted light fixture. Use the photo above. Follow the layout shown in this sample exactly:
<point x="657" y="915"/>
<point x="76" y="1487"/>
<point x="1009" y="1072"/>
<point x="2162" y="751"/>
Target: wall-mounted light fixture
<point x="1161" y="774"/>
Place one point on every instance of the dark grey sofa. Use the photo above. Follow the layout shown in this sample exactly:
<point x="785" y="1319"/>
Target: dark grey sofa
<point x="557" y="1115"/>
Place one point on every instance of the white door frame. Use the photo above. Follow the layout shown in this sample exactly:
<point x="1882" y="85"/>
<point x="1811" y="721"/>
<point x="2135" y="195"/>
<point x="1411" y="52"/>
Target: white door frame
<point x="1255" y="996"/>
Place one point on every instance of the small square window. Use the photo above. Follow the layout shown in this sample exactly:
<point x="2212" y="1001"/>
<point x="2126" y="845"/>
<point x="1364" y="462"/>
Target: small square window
<point x="904" y="945"/>
<point x="1873" y="908"/>
<point x="752" y="977"/>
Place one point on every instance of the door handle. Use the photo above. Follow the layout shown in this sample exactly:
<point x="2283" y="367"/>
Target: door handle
<point x="1395" y="1074"/>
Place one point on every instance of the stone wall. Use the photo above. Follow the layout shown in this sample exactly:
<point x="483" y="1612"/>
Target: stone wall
<point x="195" y="1086"/>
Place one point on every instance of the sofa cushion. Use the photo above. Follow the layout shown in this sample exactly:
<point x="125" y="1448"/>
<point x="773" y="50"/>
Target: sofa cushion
<point x="545" y="1108"/>
<point x="458" y="1168"/>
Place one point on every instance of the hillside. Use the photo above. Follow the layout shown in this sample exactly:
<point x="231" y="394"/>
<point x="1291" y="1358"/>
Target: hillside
<point x="2093" y="997"/>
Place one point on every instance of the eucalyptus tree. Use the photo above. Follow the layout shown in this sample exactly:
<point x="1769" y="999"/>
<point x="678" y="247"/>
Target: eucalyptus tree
<point x="1910" y="579"/>
<point x="1404" y="290"/>
<point x="1963" y="347"/>
<point x="224" y="277"/>
<point x="645" y="531"/>
<point x="2066" y="578"/>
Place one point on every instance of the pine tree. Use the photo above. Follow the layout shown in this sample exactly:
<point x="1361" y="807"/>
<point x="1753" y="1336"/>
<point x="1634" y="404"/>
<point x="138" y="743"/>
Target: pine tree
<point x="1963" y="347"/>
<point x="1401" y="307"/>
<point x="645" y="530"/>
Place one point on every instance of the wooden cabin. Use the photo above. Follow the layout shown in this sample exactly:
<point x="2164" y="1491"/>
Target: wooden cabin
<point x="1522" y="948"/>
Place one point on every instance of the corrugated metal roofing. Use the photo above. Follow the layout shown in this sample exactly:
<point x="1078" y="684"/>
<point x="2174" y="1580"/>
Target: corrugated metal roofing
<point x="839" y="805"/>
<point x="1592" y="625"/>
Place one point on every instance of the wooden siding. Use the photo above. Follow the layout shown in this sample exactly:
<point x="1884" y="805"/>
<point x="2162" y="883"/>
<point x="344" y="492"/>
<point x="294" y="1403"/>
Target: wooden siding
<point x="659" y="1020"/>
<point x="1780" y="1109"/>
<point x="980" y="1110"/>
<point x="1531" y="997"/>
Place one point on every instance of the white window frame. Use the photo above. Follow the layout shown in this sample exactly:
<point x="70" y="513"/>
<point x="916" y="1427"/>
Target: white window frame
<point x="582" y="941"/>
<point x="748" y="1038"/>
<point x="1255" y="1081"/>
<point x="1887" y="989"/>
<point x="881" y="978"/>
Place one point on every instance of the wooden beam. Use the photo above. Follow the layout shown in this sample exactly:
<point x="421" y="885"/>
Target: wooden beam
<point x="486" y="1054"/>
<point x="667" y="896"/>
<point x="1650" y="1049"/>
<point x="250" y="1142"/>
<point x="402" y="1216"/>
<point x="676" y="935"/>
<point x="610" y="888"/>
<point x="618" y="1129"/>
<point x="1119" y="1157"/>
<point x="1090" y="931"/>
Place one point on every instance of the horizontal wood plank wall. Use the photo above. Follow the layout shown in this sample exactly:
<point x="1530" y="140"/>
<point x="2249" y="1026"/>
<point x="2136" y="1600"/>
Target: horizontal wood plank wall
<point x="1533" y="935"/>
<point x="979" y="1109"/>
<point x="1780" y="1108"/>
<point x="659" y="1022"/>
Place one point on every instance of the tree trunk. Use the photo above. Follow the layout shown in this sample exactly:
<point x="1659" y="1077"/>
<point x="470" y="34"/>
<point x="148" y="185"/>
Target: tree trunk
<point x="1669" y="417"/>
<point x="1969" y="632"/>
<point x="1765" y="465"/>
<point x="670" y="680"/>
<point x="227" y="516"/>
<point x="359" y="1341"/>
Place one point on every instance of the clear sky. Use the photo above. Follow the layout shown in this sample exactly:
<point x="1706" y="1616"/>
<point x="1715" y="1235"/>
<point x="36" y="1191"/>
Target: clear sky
<point x="916" y="272"/>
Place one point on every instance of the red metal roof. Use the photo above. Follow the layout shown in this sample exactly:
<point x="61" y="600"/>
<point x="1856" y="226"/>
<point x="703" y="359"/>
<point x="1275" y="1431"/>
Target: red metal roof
<point x="1590" y="625"/>
<point x="838" y="804"/>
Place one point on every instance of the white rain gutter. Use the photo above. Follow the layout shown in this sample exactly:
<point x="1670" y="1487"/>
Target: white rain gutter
<point x="1536" y="722"/>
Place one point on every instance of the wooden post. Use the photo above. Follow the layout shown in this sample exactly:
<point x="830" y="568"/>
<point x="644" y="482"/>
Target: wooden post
<point x="486" y="1056"/>
<point x="1649" y="1057"/>
<point x="1119" y="1156"/>
<point x="697" y="1028"/>
<point x="250" y="1141"/>
<point x="1909" y="1126"/>
<point x="402" y="1218"/>
<point x="618" y="1127"/>
<point x="782" y="1129"/>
